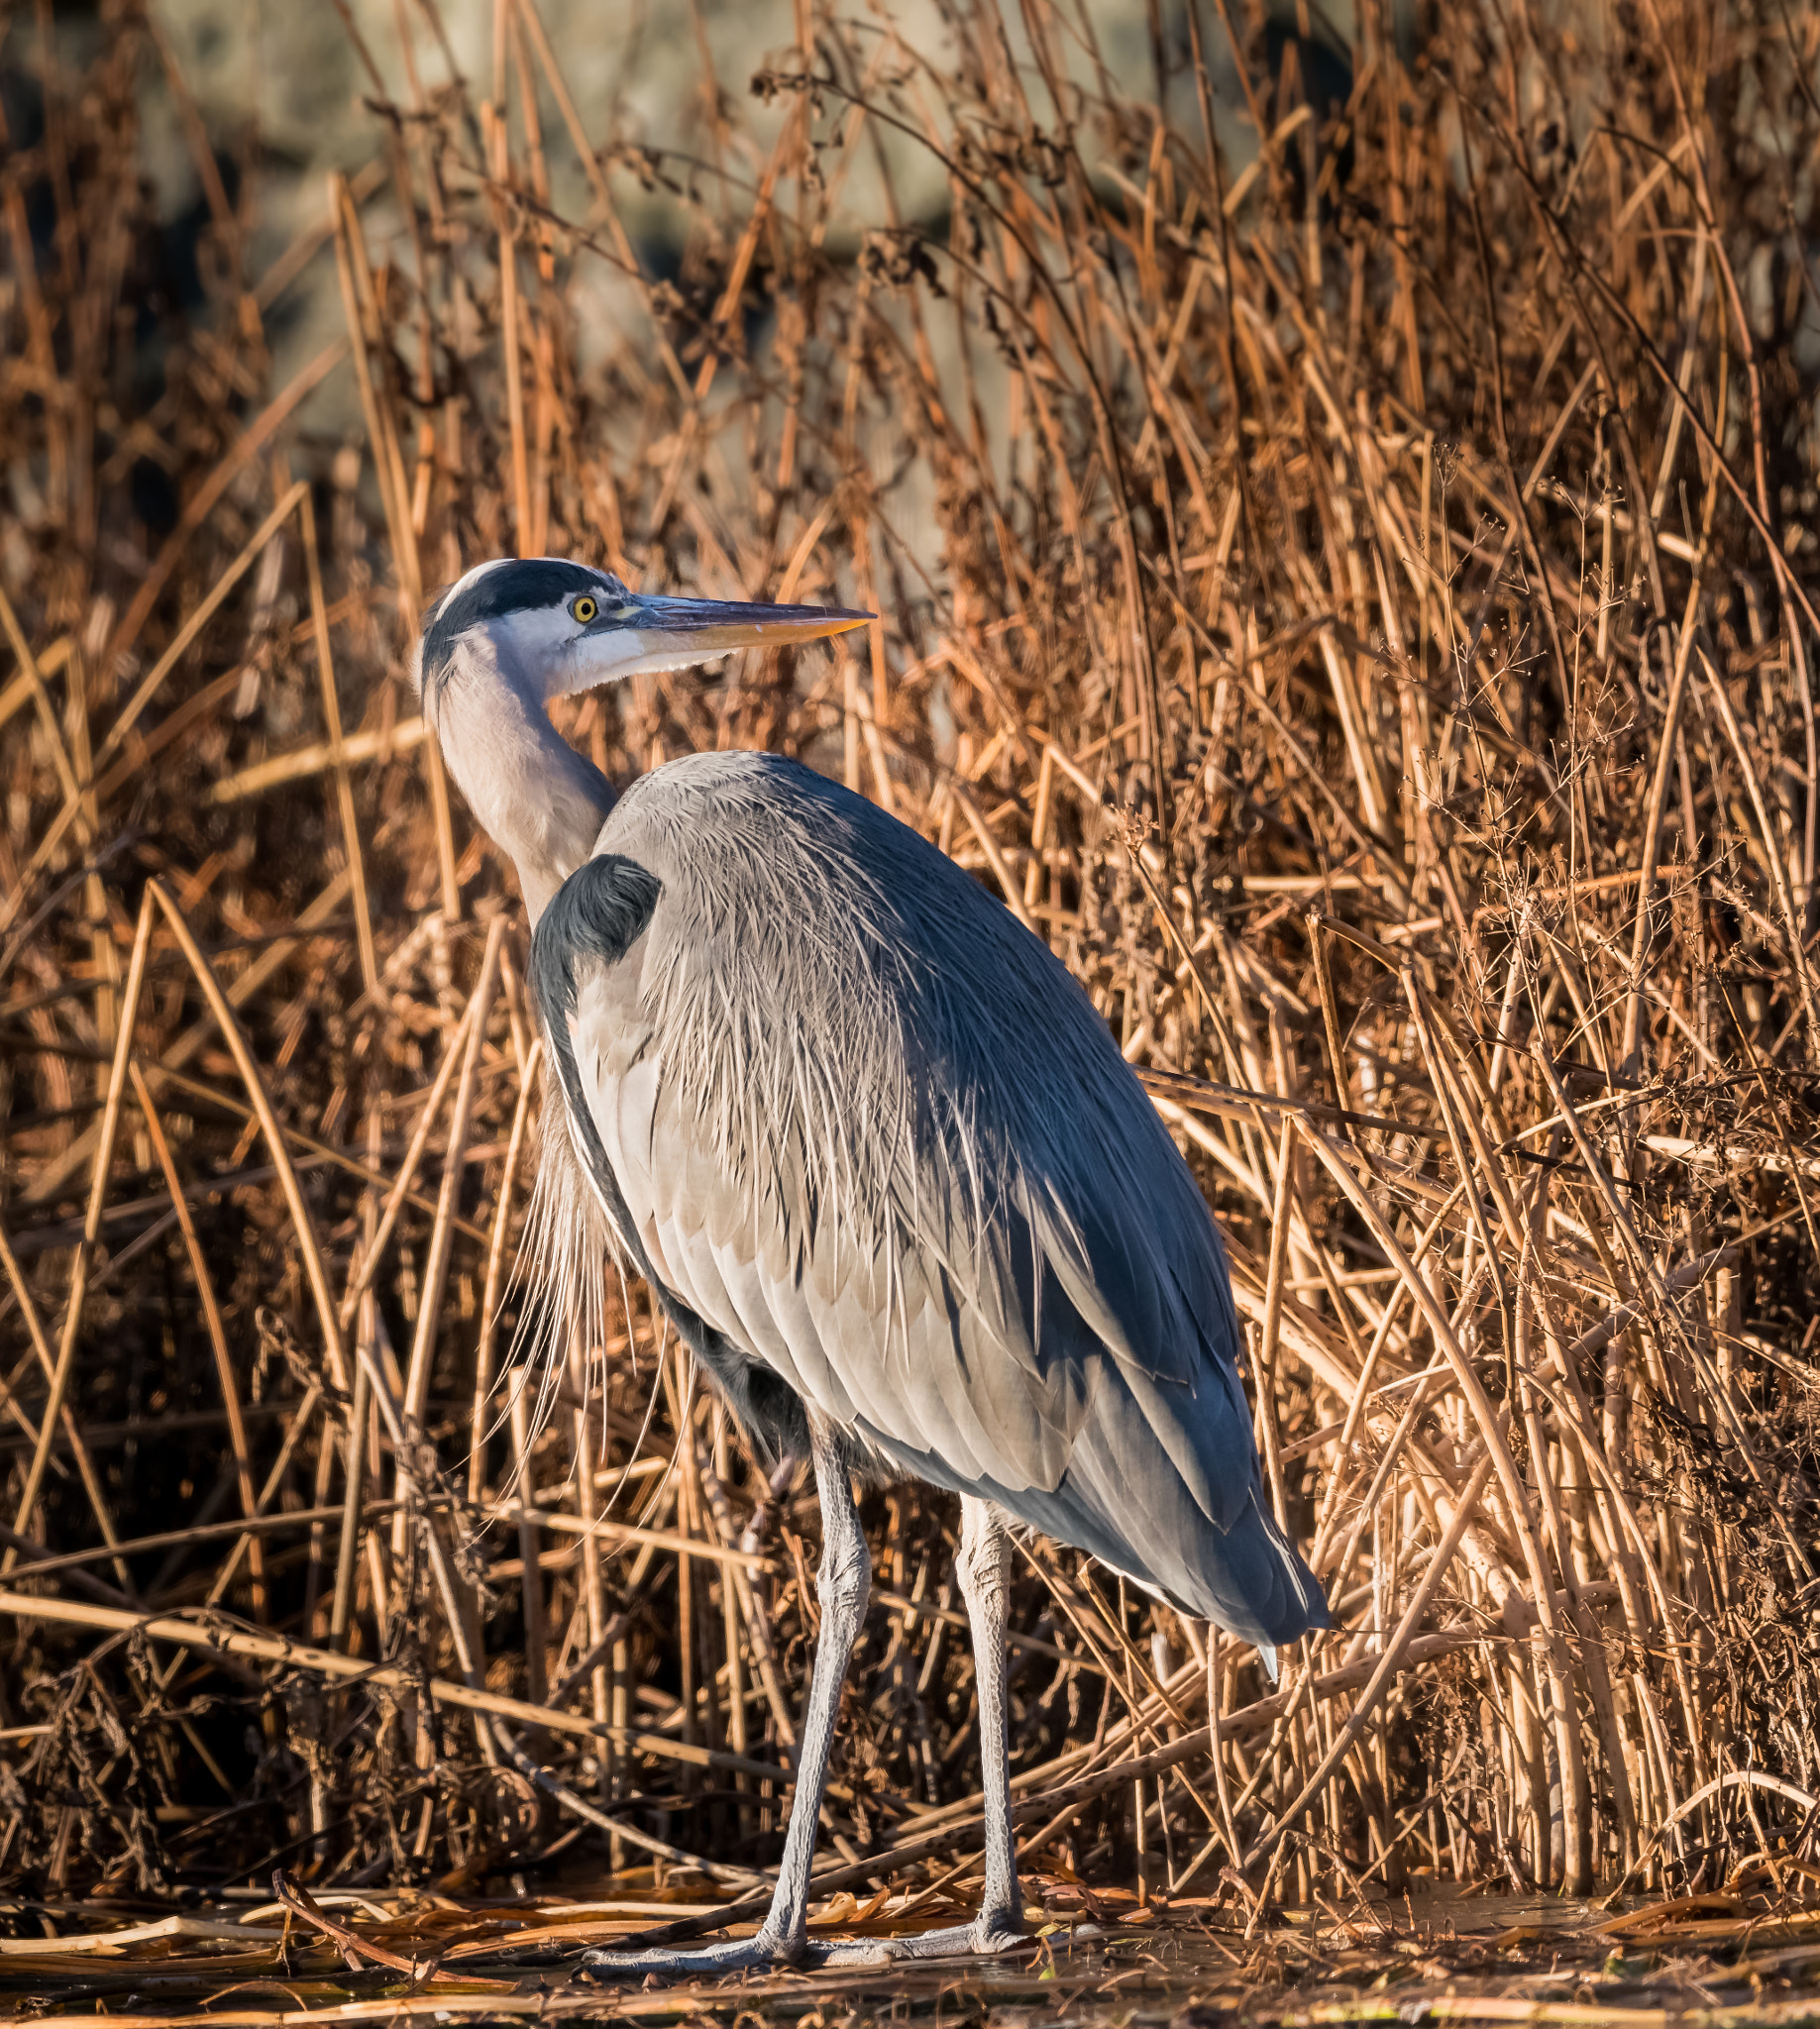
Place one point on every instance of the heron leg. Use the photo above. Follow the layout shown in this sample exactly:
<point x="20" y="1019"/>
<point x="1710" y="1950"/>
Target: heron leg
<point x="984" y="1570"/>
<point x="843" y="1584"/>
<point x="986" y="1577"/>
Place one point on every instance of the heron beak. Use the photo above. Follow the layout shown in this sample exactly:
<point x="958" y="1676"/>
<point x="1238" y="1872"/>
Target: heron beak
<point x="698" y="629"/>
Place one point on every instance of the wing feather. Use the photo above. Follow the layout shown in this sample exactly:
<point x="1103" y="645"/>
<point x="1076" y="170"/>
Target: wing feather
<point x="872" y="1136"/>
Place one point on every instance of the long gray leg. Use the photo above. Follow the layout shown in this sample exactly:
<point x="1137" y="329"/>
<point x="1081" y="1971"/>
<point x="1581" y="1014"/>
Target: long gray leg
<point x="985" y="1571"/>
<point x="843" y="1584"/>
<point x="986" y="1577"/>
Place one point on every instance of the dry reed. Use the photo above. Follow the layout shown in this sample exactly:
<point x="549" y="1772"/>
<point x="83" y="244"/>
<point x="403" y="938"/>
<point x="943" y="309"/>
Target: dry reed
<point x="1355" y="608"/>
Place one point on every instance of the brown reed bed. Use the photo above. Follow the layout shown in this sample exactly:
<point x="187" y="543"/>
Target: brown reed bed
<point x="1354" y="603"/>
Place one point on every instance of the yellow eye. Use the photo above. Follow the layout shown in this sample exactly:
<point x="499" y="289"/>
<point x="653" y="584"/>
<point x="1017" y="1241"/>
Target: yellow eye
<point x="584" y="608"/>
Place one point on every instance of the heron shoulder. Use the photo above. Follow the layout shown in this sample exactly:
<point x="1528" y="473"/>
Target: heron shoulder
<point x="597" y="914"/>
<point x="755" y="809"/>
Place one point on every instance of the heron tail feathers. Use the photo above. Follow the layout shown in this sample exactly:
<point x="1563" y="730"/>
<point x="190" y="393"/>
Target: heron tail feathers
<point x="1122" y="1501"/>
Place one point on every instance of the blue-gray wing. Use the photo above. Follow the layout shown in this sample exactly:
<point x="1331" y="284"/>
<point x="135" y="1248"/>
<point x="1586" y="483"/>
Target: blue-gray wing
<point x="873" y="1143"/>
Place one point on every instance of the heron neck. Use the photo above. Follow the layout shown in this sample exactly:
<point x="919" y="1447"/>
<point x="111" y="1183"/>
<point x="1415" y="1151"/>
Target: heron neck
<point x="532" y="792"/>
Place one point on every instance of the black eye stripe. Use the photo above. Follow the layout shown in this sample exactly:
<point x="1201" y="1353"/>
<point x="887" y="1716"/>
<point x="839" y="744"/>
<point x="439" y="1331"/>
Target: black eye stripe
<point x="521" y="584"/>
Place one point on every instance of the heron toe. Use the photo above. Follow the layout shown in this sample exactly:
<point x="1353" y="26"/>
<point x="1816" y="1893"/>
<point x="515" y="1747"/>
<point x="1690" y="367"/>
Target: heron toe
<point x="958" y="1941"/>
<point x="986" y="1936"/>
<point x="759" y="1954"/>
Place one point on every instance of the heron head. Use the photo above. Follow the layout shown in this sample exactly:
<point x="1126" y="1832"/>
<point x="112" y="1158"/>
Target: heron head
<point x="561" y="628"/>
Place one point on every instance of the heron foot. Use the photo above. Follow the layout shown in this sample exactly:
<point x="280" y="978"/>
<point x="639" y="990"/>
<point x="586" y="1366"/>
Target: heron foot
<point x="985" y="1937"/>
<point x="759" y="1954"/>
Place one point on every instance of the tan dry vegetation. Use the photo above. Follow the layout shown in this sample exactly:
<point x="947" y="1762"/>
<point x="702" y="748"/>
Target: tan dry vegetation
<point x="1366" y="632"/>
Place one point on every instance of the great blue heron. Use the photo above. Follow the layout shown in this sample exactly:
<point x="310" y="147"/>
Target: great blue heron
<point x="875" y="1152"/>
